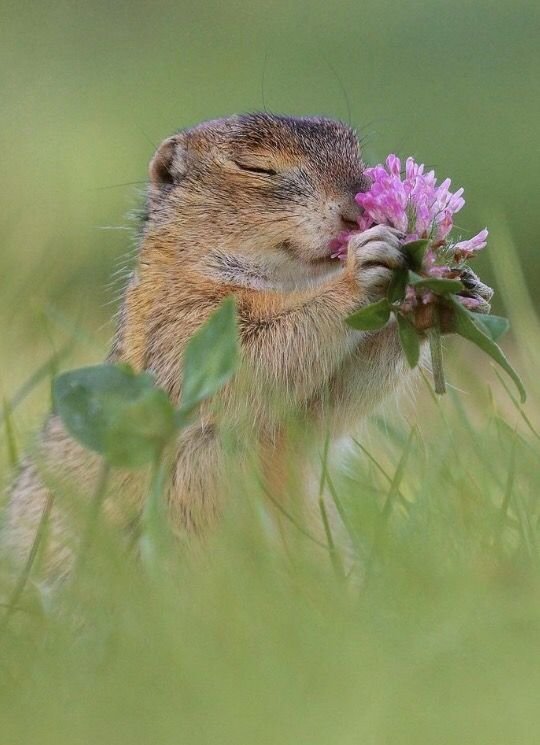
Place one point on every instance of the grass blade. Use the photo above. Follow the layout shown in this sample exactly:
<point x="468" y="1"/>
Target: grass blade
<point x="12" y="449"/>
<point x="387" y="507"/>
<point x="93" y="514"/>
<point x="27" y="568"/>
<point x="46" y="370"/>
<point x="517" y="405"/>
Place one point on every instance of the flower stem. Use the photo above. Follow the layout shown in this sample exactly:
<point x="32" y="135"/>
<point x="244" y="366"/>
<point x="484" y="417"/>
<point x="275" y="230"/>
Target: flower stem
<point x="94" y="511"/>
<point x="435" y="348"/>
<point x="153" y="542"/>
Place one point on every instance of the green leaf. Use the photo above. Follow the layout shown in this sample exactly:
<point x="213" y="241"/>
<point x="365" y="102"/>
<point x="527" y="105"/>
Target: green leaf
<point x="468" y="327"/>
<point x="438" y="284"/>
<point x="398" y="285"/>
<point x="408" y="337"/>
<point x="372" y="317"/>
<point x="494" y="326"/>
<point x="416" y="251"/>
<point x="211" y="357"/>
<point x="115" y="412"/>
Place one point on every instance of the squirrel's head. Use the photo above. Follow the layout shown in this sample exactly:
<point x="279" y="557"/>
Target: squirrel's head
<point x="274" y="189"/>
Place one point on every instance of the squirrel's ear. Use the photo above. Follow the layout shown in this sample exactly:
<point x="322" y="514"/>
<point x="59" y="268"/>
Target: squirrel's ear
<point x="169" y="164"/>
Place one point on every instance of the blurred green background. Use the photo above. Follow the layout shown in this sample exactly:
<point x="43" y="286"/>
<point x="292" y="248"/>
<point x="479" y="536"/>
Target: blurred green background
<point x="89" y="88"/>
<point x="258" y="644"/>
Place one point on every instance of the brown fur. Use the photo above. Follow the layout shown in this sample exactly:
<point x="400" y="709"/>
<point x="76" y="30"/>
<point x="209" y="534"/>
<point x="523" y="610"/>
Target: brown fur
<point x="215" y="229"/>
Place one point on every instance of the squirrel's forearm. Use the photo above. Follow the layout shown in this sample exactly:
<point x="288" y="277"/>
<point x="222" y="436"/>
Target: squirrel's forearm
<point x="370" y="372"/>
<point x="296" y="342"/>
<point x="374" y="369"/>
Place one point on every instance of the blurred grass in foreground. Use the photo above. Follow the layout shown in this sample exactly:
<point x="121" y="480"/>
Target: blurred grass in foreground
<point x="255" y="643"/>
<point x="425" y="629"/>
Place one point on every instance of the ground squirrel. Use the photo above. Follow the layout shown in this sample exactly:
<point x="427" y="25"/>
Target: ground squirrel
<point x="244" y="206"/>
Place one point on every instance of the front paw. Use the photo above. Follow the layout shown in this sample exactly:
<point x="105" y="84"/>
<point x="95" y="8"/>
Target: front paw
<point x="475" y="297"/>
<point x="476" y="292"/>
<point x="375" y="254"/>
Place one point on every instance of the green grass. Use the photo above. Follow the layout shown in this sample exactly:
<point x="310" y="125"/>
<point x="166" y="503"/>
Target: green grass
<point x="432" y="635"/>
<point x="413" y="618"/>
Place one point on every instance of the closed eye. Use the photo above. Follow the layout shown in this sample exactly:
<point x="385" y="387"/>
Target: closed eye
<point x="255" y="169"/>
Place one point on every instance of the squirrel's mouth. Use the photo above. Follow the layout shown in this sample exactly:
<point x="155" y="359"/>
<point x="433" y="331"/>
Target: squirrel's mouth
<point x="328" y="259"/>
<point x="320" y="257"/>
